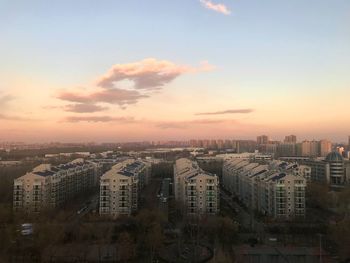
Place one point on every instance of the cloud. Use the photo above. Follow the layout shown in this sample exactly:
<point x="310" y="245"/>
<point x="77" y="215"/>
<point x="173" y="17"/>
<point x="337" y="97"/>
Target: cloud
<point x="75" y="119"/>
<point x="11" y="118"/>
<point x="117" y="96"/>
<point x="158" y="124"/>
<point x="149" y="73"/>
<point x="84" y="108"/>
<point x="4" y="99"/>
<point x="243" y="111"/>
<point x="191" y="123"/>
<point x="146" y="76"/>
<point x="51" y="107"/>
<point x="220" y="8"/>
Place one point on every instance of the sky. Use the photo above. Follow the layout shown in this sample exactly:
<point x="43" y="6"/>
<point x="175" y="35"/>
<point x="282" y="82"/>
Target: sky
<point x="135" y="70"/>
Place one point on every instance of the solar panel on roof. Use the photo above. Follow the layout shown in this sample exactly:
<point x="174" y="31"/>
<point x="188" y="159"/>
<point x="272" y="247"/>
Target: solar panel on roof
<point x="44" y="173"/>
<point x="277" y="177"/>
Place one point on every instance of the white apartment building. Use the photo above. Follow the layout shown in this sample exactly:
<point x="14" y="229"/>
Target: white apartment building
<point x="195" y="189"/>
<point x="50" y="186"/>
<point x="120" y="186"/>
<point x="257" y="156"/>
<point x="276" y="189"/>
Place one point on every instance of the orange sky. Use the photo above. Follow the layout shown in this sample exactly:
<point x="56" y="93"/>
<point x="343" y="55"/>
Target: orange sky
<point x="219" y="70"/>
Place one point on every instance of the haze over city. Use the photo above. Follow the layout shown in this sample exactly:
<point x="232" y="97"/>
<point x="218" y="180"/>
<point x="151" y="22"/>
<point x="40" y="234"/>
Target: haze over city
<point x="183" y="131"/>
<point x="149" y="70"/>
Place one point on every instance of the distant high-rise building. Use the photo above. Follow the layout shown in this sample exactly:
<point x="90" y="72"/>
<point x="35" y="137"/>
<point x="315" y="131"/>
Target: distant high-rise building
<point x="193" y="143"/>
<point x="290" y="139"/>
<point x="268" y="148"/>
<point x="228" y="144"/>
<point x="286" y="149"/>
<point x="220" y="144"/>
<point x="213" y="144"/>
<point x="310" y="148"/>
<point x="245" y="146"/>
<point x="325" y="147"/>
<point x="262" y="139"/>
<point x="349" y="143"/>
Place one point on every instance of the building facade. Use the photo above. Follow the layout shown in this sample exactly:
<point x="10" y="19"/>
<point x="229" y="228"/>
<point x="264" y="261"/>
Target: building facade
<point x="337" y="173"/>
<point x="262" y="139"/>
<point x="325" y="147"/>
<point x="276" y="189"/>
<point x="290" y="139"/>
<point x="49" y="186"/>
<point x="120" y="186"/>
<point x="196" y="190"/>
<point x="332" y="169"/>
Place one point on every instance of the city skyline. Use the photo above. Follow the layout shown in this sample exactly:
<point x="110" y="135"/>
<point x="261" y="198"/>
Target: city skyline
<point x="133" y="71"/>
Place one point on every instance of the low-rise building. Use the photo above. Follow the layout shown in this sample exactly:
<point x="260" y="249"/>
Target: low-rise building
<point x="333" y="170"/>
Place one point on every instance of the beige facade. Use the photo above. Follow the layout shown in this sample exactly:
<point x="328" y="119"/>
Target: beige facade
<point x="290" y="139"/>
<point x="120" y="186"/>
<point x="276" y="189"/>
<point x="325" y="148"/>
<point x="195" y="189"/>
<point x="310" y="148"/>
<point x="262" y="139"/>
<point x="51" y="186"/>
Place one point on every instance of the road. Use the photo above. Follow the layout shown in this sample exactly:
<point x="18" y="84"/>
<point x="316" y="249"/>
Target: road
<point x="245" y="218"/>
<point x="148" y="195"/>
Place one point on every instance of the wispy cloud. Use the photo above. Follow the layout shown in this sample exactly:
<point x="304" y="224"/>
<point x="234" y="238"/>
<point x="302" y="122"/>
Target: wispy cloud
<point x="11" y="118"/>
<point x="158" y="124"/>
<point x="84" y="108"/>
<point x="220" y="8"/>
<point x="234" y="111"/>
<point x="4" y="99"/>
<point x="75" y="119"/>
<point x="191" y="123"/>
<point x="146" y="76"/>
<point x="149" y="73"/>
<point x="116" y="96"/>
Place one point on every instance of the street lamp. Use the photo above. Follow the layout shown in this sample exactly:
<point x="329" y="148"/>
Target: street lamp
<point x="320" y="237"/>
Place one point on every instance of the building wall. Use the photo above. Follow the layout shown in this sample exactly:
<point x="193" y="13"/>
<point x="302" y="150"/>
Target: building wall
<point x="320" y="170"/>
<point x="196" y="190"/>
<point x="325" y="148"/>
<point x="118" y="195"/>
<point x="51" y="186"/>
<point x="120" y="186"/>
<point x="276" y="189"/>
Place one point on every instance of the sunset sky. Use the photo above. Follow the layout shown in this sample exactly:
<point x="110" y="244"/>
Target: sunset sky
<point x="158" y="69"/>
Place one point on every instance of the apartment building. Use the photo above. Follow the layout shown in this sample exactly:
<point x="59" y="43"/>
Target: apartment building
<point x="276" y="189"/>
<point x="195" y="189"/>
<point x="120" y="186"/>
<point x="49" y="186"/>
